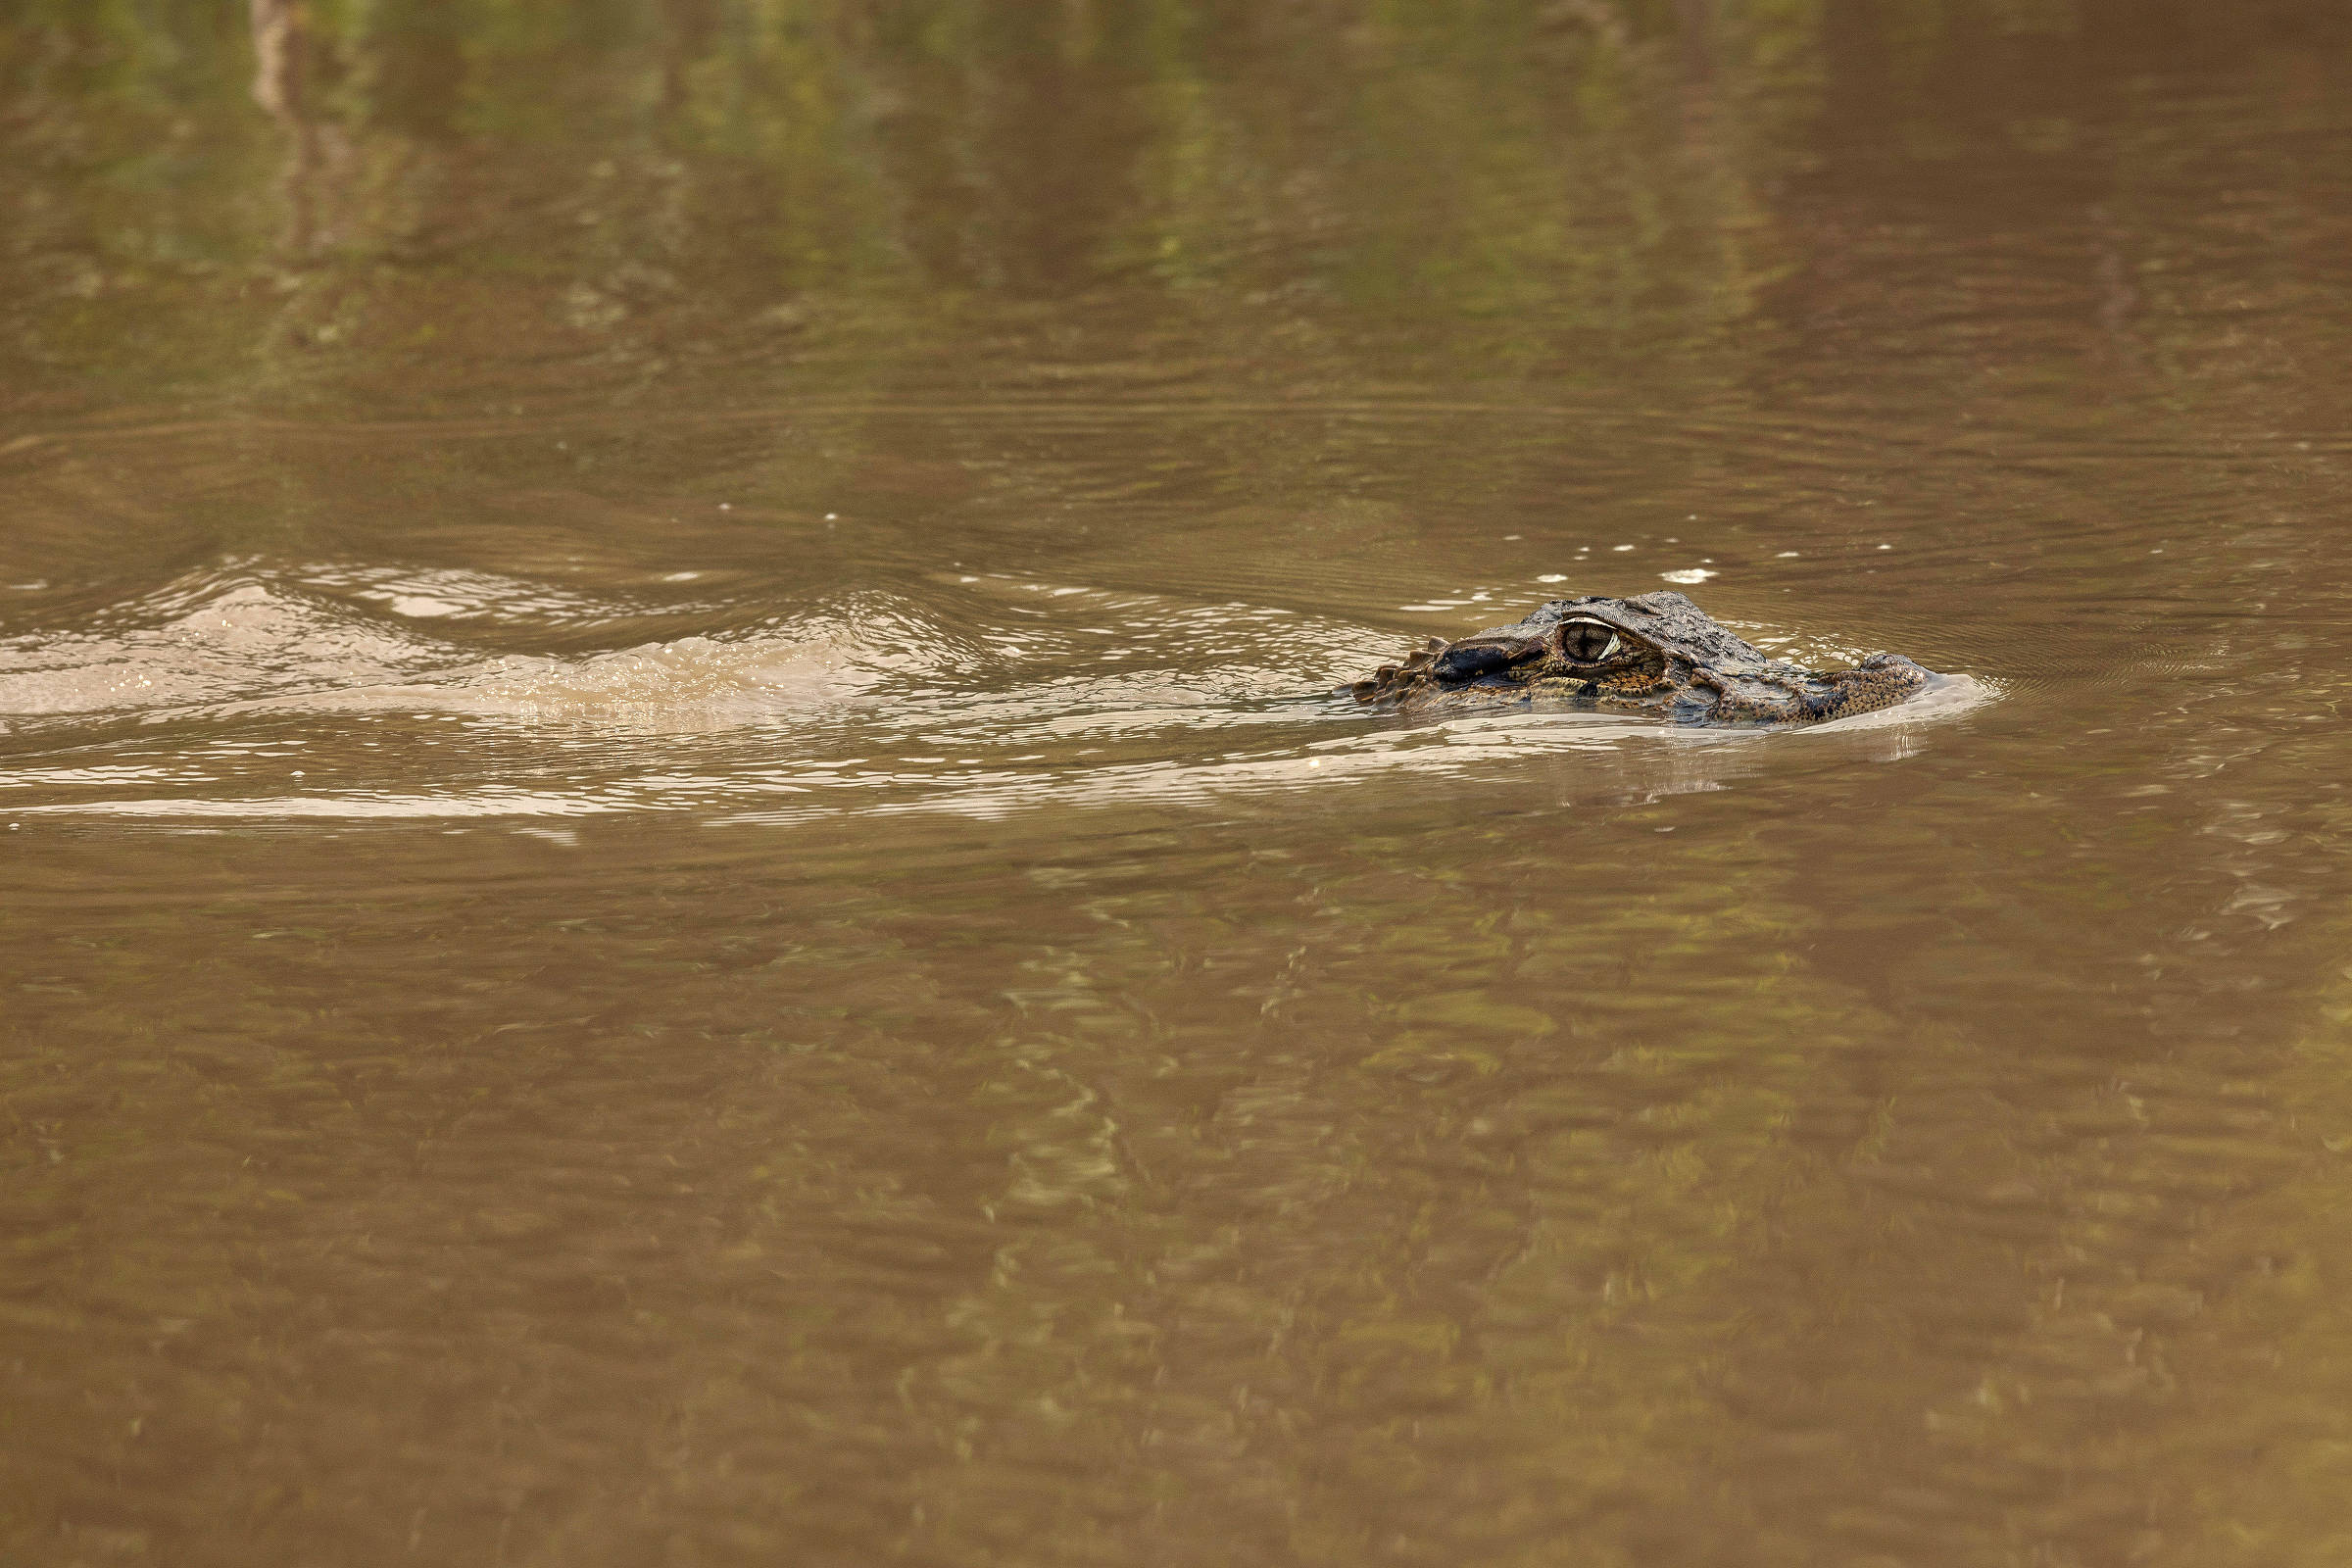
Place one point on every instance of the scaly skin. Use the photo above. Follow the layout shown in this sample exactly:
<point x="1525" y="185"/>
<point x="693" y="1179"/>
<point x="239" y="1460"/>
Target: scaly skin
<point x="1657" y="655"/>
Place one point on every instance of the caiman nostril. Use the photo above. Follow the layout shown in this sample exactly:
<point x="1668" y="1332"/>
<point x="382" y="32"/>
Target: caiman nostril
<point x="1470" y="660"/>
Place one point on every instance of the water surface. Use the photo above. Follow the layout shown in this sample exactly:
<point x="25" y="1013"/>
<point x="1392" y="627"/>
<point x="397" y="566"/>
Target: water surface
<point x="678" y="882"/>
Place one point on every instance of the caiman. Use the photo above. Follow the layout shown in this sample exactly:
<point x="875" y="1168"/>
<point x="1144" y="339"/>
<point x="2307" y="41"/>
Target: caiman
<point x="1657" y="655"/>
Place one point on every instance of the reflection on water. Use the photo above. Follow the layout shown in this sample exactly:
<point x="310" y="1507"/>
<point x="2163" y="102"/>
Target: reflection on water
<point x="676" y="884"/>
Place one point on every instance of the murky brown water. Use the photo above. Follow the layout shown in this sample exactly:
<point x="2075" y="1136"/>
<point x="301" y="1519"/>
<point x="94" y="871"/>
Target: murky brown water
<point x="674" y="887"/>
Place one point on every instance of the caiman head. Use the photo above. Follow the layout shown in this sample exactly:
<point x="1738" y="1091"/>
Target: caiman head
<point x="1658" y="656"/>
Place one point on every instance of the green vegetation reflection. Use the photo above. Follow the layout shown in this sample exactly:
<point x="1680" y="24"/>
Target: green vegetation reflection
<point x="642" y="180"/>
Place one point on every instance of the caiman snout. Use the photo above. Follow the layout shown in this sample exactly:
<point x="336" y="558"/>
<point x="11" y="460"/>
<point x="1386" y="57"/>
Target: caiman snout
<point x="1469" y="660"/>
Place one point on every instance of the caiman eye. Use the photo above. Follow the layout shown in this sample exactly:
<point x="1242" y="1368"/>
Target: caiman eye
<point x="1587" y="642"/>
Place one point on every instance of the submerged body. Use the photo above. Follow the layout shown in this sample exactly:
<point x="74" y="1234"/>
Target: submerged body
<point x="1658" y="656"/>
